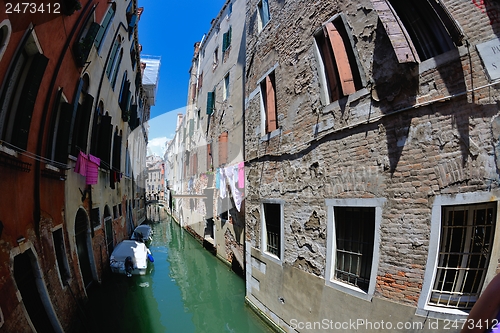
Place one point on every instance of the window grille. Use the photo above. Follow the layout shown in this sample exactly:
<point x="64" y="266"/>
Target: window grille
<point x="355" y="233"/>
<point x="465" y="248"/>
<point x="272" y="216"/>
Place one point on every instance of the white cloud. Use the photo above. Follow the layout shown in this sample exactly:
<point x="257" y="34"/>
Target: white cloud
<point x="157" y="146"/>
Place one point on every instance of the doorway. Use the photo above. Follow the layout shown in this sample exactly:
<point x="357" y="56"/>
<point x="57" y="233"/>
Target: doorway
<point x="82" y="241"/>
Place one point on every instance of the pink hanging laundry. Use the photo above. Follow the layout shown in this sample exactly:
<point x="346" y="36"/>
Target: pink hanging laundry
<point x="93" y="170"/>
<point x="81" y="164"/>
<point x="241" y="175"/>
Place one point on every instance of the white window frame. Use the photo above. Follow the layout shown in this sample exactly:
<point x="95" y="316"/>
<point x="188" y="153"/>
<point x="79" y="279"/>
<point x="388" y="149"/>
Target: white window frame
<point x="331" y="238"/>
<point x="65" y="262"/>
<point x="423" y="308"/>
<point x="263" y="234"/>
<point x="7" y="28"/>
<point x="225" y="93"/>
<point x="260" y="13"/>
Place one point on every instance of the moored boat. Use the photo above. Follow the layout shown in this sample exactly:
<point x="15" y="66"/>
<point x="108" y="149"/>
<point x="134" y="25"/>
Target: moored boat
<point x="130" y="257"/>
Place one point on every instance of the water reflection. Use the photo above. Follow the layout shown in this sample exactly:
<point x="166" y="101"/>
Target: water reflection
<point x="188" y="290"/>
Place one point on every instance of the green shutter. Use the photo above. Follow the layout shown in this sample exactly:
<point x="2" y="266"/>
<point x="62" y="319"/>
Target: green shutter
<point x="210" y="102"/>
<point x="191" y="127"/>
<point x="224" y="42"/>
<point x="104" y="26"/>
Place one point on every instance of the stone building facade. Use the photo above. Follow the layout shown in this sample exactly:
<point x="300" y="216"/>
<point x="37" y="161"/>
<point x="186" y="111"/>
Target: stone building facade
<point x="209" y="143"/>
<point x="71" y="99"/>
<point x="371" y="161"/>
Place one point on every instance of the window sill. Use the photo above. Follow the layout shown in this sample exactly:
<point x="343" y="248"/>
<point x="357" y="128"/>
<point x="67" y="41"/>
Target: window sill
<point x="272" y="257"/>
<point x="335" y="105"/>
<point x="348" y="289"/>
<point x="8" y="151"/>
<point x="441" y="59"/>
<point x="435" y="312"/>
<point x="270" y="135"/>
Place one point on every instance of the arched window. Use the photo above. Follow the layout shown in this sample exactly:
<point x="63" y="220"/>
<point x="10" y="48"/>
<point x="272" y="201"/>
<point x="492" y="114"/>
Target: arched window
<point x="5" y="31"/>
<point x="17" y="100"/>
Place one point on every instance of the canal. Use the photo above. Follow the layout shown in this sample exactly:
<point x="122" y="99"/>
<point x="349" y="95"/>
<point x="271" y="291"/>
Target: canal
<point x="187" y="290"/>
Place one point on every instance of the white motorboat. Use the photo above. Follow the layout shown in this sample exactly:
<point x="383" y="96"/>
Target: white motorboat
<point x="130" y="257"/>
<point x="143" y="233"/>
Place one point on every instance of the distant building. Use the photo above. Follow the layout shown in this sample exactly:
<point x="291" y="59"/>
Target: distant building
<point x="72" y="142"/>
<point x="206" y="155"/>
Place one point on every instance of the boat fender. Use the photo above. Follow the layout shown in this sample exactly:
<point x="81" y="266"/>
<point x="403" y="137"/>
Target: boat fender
<point x="150" y="257"/>
<point x="129" y="266"/>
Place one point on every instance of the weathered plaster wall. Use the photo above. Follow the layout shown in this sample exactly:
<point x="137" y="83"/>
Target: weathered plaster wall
<point x="413" y="132"/>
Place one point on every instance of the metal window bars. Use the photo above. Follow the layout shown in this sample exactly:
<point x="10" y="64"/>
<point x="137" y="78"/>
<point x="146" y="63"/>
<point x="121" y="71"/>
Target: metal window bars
<point x="466" y="240"/>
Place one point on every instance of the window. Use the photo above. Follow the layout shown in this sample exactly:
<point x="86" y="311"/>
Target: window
<point x="103" y="29"/>
<point x="62" y="259"/>
<point x="272" y="228"/>
<point x="17" y="100"/>
<point x="58" y="146"/>
<point x="464" y="254"/>
<point x="85" y="41"/>
<point x="263" y="14"/>
<point x="226" y="87"/>
<point x="338" y="65"/>
<point x="268" y="104"/>
<point x="124" y="97"/>
<point x="216" y="58"/>
<point x="226" y="40"/>
<point x="352" y="245"/>
<point x="81" y="123"/>
<point x="95" y="217"/>
<point x="211" y="102"/>
<point x="354" y="232"/>
<point x="418" y="30"/>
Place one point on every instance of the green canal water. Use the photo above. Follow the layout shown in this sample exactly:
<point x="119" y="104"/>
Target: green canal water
<point x="188" y="290"/>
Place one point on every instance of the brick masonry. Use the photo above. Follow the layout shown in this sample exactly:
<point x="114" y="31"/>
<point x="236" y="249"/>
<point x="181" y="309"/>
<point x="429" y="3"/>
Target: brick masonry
<point x="413" y="132"/>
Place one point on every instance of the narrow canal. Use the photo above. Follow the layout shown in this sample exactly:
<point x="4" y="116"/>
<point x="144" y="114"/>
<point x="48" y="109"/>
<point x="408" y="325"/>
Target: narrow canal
<point x="188" y="290"/>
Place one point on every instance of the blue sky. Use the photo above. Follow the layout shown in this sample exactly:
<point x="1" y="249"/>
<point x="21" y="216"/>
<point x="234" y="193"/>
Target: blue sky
<point x="169" y="29"/>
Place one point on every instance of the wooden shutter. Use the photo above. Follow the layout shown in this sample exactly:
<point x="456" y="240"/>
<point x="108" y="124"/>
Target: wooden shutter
<point x="112" y="58"/>
<point x="104" y="144"/>
<point x="223" y="148"/>
<point x="224" y="42"/>
<point x="209" y="156"/>
<point x="191" y="127"/>
<point x="84" y="124"/>
<point x="341" y="58"/>
<point x="400" y="40"/>
<point x="63" y="129"/>
<point x="27" y="101"/>
<point x="270" y="106"/>
<point x="104" y="26"/>
<point x="210" y="102"/>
